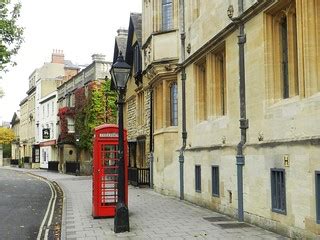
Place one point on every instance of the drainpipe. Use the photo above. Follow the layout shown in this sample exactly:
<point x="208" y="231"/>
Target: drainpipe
<point x="183" y="95"/>
<point x="151" y="139"/>
<point x="240" y="158"/>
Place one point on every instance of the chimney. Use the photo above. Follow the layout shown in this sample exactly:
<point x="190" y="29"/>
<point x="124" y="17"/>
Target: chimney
<point x="122" y="32"/>
<point x="98" y="57"/>
<point x="57" y="56"/>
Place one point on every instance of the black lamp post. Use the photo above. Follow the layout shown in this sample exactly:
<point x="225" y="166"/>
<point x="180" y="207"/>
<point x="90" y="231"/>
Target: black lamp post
<point x="120" y="72"/>
<point x="77" y="138"/>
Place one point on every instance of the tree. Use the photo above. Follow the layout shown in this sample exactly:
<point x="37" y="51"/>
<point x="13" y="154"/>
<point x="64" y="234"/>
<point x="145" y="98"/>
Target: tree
<point x="11" y="34"/>
<point x="6" y="135"/>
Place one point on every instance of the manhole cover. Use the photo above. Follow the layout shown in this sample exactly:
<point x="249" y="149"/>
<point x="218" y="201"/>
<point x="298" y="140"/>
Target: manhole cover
<point x="217" y="219"/>
<point x="233" y="225"/>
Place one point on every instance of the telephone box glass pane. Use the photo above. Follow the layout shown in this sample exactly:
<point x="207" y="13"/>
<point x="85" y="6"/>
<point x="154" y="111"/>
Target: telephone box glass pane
<point x="109" y="176"/>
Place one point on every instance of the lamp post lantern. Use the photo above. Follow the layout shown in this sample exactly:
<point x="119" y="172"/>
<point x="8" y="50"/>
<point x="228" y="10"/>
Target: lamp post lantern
<point x="120" y="72"/>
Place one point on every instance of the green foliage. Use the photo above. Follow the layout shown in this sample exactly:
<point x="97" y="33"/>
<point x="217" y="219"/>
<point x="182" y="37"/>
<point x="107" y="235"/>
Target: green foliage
<point x="111" y="110"/>
<point x="93" y="110"/>
<point x="11" y="34"/>
<point x="80" y="116"/>
<point x="6" y="150"/>
<point x="6" y="135"/>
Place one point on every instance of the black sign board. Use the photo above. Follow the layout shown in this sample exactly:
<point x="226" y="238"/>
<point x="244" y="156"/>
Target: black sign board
<point x="46" y="133"/>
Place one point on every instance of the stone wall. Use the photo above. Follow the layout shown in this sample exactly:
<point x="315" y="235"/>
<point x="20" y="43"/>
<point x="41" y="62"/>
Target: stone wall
<point x="136" y="130"/>
<point x="279" y="127"/>
<point x="131" y="118"/>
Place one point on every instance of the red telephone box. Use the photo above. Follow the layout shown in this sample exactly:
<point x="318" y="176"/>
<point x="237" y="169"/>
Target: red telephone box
<point x="104" y="174"/>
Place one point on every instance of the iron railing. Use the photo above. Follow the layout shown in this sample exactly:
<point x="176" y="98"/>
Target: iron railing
<point x="71" y="167"/>
<point x="139" y="176"/>
<point x="14" y="161"/>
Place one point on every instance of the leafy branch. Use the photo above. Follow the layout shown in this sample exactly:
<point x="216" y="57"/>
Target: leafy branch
<point x="6" y="135"/>
<point x="11" y="34"/>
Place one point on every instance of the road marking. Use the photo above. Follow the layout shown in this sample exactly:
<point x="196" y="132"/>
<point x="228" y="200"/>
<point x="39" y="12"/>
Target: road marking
<point x="51" y="214"/>
<point x="51" y="205"/>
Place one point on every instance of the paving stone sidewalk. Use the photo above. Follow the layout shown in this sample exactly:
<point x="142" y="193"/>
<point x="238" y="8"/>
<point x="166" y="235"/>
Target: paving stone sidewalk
<point x="152" y="216"/>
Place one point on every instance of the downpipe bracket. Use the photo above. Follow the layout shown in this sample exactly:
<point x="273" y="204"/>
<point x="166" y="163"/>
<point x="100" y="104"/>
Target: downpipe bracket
<point x="183" y="76"/>
<point x="240" y="160"/>
<point x="184" y="135"/>
<point x="181" y="158"/>
<point x="242" y="39"/>
<point x="244" y="123"/>
<point x="183" y="36"/>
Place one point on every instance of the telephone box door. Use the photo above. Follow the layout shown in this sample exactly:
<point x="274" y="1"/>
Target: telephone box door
<point x="105" y="177"/>
<point x="109" y="176"/>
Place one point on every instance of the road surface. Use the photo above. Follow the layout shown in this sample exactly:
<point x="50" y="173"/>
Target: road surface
<point x="23" y="204"/>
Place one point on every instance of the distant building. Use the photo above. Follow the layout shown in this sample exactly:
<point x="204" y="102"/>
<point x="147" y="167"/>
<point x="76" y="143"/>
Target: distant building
<point x="6" y="124"/>
<point x="42" y="82"/>
<point x="47" y="137"/>
<point x="69" y="155"/>
<point x="27" y="126"/>
<point x="48" y="78"/>
<point x="15" y="145"/>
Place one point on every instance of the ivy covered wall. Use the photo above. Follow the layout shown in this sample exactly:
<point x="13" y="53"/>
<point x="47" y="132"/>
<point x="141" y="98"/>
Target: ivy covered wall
<point x="95" y="104"/>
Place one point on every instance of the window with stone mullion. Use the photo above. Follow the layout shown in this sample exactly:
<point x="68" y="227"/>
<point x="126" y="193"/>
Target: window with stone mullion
<point x="174" y="104"/>
<point x="167" y="15"/>
<point x="137" y="59"/>
<point x="282" y="57"/>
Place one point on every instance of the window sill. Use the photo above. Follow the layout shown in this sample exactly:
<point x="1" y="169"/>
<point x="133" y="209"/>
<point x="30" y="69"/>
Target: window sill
<point x="286" y="101"/>
<point x="171" y="129"/>
<point x="164" y="31"/>
<point x="283" y="212"/>
<point x="213" y="119"/>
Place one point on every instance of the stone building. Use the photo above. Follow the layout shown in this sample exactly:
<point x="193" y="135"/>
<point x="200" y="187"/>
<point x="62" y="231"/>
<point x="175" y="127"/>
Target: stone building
<point x="138" y="105"/>
<point x="47" y="79"/>
<point x="253" y="61"/>
<point x="27" y="127"/>
<point x="15" y="145"/>
<point x="160" y="45"/>
<point x="42" y="82"/>
<point x="69" y="154"/>
<point x="47" y="134"/>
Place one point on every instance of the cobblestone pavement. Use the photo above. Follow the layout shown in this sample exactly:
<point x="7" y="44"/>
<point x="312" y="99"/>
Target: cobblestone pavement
<point x="152" y="216"/>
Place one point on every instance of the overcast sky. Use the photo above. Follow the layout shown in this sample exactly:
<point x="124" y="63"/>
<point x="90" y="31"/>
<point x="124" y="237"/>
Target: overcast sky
<point x="79" y="28"/>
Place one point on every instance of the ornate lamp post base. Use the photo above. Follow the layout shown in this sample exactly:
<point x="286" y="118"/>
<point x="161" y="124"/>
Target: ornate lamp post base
<point x="121" y="220"/>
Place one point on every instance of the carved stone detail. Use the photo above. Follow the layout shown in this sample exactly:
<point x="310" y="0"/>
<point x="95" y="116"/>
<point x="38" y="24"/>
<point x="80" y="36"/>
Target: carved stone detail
<point x="168" y="67"/>
<point x="189" y="48"/>
<point x="147" y="55"/>
<point x="146" y="2"/>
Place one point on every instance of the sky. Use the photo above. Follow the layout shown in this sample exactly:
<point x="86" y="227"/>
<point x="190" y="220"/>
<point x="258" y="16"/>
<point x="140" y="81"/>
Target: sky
<point x="78" y="27"/>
